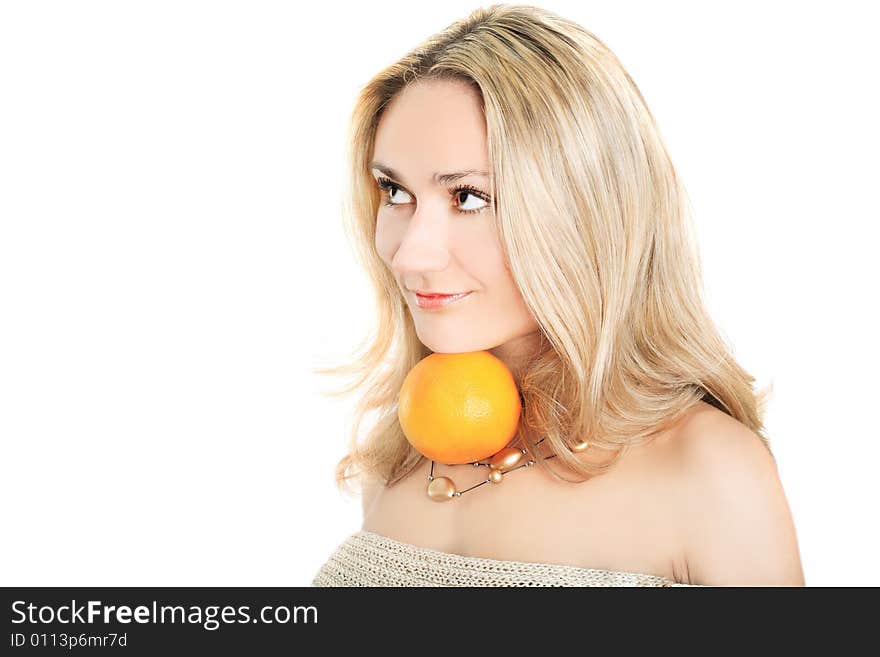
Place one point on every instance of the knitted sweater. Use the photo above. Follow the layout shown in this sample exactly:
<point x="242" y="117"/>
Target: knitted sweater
<point x="369" y="559"/>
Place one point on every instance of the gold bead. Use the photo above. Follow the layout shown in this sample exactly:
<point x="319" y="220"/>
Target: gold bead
<point x="581" y="446"/>
<point x="495" y="476"/>
<point x="505" y="459"/>
<point x="441" y="489"/>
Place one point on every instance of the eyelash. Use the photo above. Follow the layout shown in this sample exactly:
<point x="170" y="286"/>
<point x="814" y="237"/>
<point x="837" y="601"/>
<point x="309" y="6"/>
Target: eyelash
<point x="386" y="183"/>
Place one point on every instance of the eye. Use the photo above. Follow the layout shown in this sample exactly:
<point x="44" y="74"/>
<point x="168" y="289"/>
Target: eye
<point x="389" y="187"/>
<point x="465" y="191"/>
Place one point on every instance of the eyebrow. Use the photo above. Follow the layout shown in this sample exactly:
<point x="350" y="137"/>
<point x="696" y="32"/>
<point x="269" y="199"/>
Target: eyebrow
<point x="439" y="178"/>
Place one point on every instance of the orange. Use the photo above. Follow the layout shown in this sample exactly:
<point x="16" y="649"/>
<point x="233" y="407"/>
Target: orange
<point x="459" y="408"/>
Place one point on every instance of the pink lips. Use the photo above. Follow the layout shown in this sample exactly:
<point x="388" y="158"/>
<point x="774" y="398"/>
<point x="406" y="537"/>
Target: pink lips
<point x="434" y="301"/>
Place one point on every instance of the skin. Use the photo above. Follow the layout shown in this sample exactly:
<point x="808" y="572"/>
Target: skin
<point x="701" y="504"/>
<point x="426" y="239"/>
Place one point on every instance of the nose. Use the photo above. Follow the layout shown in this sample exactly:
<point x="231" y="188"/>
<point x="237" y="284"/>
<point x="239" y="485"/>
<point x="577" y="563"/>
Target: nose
<point x="424" y="246"/>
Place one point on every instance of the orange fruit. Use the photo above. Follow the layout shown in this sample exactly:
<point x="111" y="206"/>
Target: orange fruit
<point x="459" y="408"/>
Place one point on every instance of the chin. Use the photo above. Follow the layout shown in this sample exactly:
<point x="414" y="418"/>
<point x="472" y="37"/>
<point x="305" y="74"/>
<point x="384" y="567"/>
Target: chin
<point x="448" y="347"/>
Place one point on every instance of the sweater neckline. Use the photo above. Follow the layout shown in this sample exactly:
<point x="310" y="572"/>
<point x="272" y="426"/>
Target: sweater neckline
<point x="462" y="559"/>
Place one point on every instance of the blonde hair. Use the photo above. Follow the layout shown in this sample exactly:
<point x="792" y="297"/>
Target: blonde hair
<point x="597" y="231"/>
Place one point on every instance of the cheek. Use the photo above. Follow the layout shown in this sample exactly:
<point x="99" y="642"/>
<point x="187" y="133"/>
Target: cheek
<point x="384" y="243"/>
<point x="493" y="271"/>
<point x="486" y="262"/>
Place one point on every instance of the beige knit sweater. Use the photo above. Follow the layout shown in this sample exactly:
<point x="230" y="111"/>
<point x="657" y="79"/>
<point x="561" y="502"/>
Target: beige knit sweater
<point x="369" y="559"/>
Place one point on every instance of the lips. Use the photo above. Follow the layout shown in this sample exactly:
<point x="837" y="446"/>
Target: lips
<point x="432" y="301"/>
<point x="437" y="294"/>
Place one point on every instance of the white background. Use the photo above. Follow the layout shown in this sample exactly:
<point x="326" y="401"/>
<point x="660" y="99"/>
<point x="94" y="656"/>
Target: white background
<point x="172" y="264"/>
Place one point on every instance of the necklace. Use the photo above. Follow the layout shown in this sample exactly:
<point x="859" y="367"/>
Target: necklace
<point x="442" y="489"/>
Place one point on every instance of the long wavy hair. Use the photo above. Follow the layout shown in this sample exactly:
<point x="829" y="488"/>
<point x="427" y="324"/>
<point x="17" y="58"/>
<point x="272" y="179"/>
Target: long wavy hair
<point x="598" y="235"/>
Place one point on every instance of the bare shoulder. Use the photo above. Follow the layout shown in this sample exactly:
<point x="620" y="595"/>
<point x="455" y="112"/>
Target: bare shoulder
<point x="735" y="521"/>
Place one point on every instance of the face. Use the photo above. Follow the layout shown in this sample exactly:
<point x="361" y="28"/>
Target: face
<point x="439" y="236"/>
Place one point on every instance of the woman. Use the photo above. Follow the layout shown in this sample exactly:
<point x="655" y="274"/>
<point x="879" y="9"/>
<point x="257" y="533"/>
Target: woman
<point x="511" y="157"/>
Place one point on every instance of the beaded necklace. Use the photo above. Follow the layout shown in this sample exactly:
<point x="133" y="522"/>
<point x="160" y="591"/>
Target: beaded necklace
<point x="442" y="489"/>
